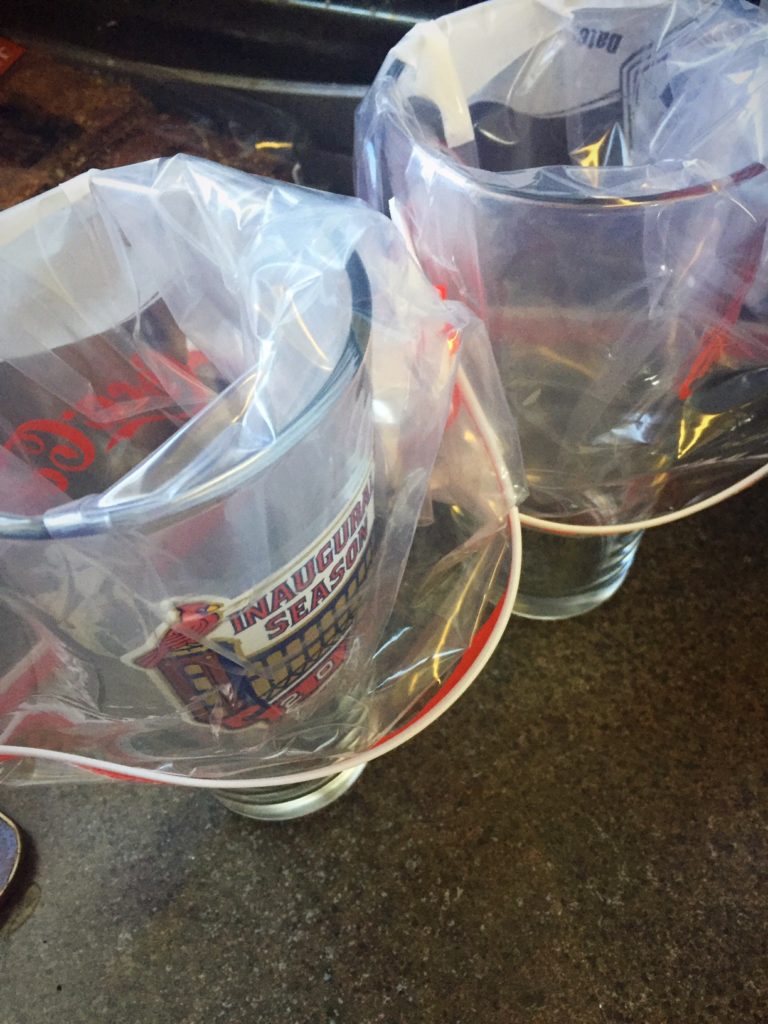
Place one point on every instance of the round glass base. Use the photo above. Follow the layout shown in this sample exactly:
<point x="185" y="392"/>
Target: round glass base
<point x="281" y="803"/>
<point x="563" y="575"/>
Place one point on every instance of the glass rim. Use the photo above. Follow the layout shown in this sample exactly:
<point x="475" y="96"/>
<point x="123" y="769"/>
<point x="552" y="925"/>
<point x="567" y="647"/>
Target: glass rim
<point x="494" y="182"/>
<point x="73" y="524"/>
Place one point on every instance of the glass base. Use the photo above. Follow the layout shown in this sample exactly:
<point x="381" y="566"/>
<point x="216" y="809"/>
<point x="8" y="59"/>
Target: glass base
<point x="564" y="576"/>
<point x="281" y="803"/>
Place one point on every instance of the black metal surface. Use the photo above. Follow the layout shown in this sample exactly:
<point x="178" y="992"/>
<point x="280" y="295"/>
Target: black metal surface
<point x="302" y="40"/>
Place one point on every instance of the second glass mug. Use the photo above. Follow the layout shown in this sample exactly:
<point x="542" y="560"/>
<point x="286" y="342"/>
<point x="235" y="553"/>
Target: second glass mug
<point x="606" y="315"/>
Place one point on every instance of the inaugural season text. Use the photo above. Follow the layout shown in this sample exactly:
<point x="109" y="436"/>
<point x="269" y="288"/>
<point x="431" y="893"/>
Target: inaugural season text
<point x="305" y="589"/>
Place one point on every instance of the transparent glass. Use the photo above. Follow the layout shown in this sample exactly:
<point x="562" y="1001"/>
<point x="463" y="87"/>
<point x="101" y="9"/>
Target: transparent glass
<point x="566" y="575"/>
<point x="282" y="803"/>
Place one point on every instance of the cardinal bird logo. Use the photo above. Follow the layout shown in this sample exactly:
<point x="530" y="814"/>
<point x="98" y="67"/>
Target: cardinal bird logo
<point x="196" y="620"/>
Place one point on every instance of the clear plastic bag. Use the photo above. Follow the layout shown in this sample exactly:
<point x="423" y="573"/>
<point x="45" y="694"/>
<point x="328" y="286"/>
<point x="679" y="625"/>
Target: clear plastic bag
<point x="258" y="482"/>
<point x="590" y="180"/>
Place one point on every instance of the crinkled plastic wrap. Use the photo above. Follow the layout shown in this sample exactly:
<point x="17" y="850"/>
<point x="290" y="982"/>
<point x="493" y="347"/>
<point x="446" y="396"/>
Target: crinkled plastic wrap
<point x="590" y="180"/>
<point x="258" y="482"/>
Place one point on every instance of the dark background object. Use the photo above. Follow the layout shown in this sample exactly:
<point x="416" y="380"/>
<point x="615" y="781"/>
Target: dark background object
<point x="302" y="40"/>
<point x="310" y="59"/>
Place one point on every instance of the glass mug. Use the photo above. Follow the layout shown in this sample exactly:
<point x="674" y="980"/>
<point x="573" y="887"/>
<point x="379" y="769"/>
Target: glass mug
<point x="228" y="604"/>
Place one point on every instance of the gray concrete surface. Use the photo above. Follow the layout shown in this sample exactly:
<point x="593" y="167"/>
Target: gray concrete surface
<point x="582" y="839"/>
